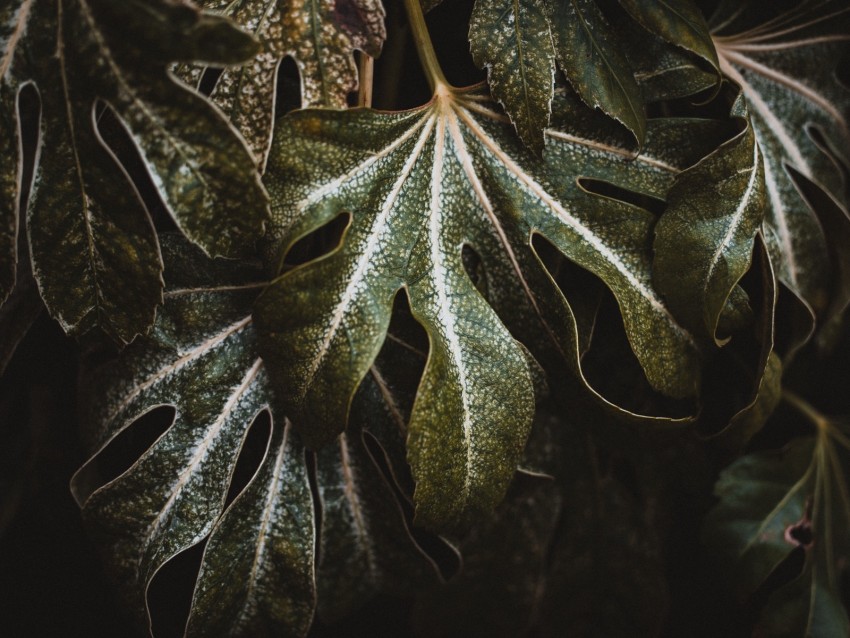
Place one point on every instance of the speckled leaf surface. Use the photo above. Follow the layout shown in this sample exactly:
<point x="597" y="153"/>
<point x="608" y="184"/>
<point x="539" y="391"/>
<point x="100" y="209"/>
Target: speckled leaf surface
<point x="200" y="358"/>
<point x="774" y="503"/>
<point x="513" y="40"/>
<point x="786" y="69"/>
<point x="94" y="252"/>
<point x="704" y="240"/>
<point x="320" y="35"/>
<point x="258" y="572"/>
<point x="419" y="185"/>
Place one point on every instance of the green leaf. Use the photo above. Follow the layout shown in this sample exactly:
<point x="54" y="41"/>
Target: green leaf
<point x="419" y="185"/>
<point x="775" y="503"/>
<point x="786" y="69"/>
<point x="704" y="240"/>
<point x="257" y="569"/>
<point x="94" y="251"/>
<point x="201" y="358"/>
<point x="680" y="22"/>
<point x="320" y="35"/>
<point x="767" y="372"/>
<point x="257" y="573"/>
<point x="590" y="56"/>
<point x="663" y="71"/>
<point x="513" y="41"/>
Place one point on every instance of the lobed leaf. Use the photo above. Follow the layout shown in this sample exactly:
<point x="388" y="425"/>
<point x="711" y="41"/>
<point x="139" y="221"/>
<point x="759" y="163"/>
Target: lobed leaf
<point x="257" y="574"/>
<point x="94" y="251"/>
<point x="791" y="93"/>
<point x="704" y="240"/>
<point x="418" y="186"/>
<point x="679" y="22"/>
<point x="519" y="43"/>
<point x="591" y="58"/>
<point x="321" y="36"/>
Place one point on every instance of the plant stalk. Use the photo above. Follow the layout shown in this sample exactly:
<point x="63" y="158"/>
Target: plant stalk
<point x="366" y="73"/>
<point x="424" y="47"/>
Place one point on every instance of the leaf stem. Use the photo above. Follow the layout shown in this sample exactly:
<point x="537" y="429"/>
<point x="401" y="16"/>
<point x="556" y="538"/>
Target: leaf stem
<point x="366" y="73"/>
<point x="805" y="408"/>
<point x="424" y="47"/>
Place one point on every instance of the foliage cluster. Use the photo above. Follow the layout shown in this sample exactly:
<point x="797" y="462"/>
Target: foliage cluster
<point x="544" y="345"/>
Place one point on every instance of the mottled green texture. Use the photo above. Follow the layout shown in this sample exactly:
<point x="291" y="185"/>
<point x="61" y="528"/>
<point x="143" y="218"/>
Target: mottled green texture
<point x="513" y="40"/>
<point x="769" y="504"/>
<point x="680" y="22"/>
<point x="787" y="76"/>
<point x="201" y="358"/>
<point x="704" y="240"/>
<point x="419" y="185"/>
<point x="257" y="575"/>
<point x="320" y="35"/>
<point x="94" y="252"/>
<point x="613" y="66"/>
<point x="592" y="60"/>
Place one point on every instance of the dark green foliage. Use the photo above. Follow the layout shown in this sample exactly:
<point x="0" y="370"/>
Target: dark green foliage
<point x="563" y="352"/>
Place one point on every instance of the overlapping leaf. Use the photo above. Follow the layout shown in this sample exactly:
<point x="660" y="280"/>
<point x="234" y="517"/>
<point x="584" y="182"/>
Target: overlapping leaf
<point x="419" y="185"/>
<point x="94" y="251"/>
<point x="773" y="503"/>
<point x="321" y="37"/>
<point x="257" y="573"/>
<point x="786" y="68"/>
<point x="519" y="43"/>
<point x="704" y="239"/>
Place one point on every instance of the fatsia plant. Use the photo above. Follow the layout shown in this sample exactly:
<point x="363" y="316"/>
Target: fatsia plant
<point x="87" y="230"/>
<point x="522" y="354"/>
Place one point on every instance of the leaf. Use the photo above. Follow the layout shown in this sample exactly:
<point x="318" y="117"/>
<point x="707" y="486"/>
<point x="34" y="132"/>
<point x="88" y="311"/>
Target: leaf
<point x="514" y="42"/>
<point x="680" y="22"/>
<point x="589" y="54"/>
<point x="663" y="71"/>
<point x="784" y="70"/>
<point x="321" y="36"/>
<point x="704" y="240"/>
<point x="418" y="186"/>
<point x="89" y="233"/>
<point x="767" y="373"/>
<point x="366" y="545"/>
<point x="257" y="573"/>
<point x="775" y="503"/>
